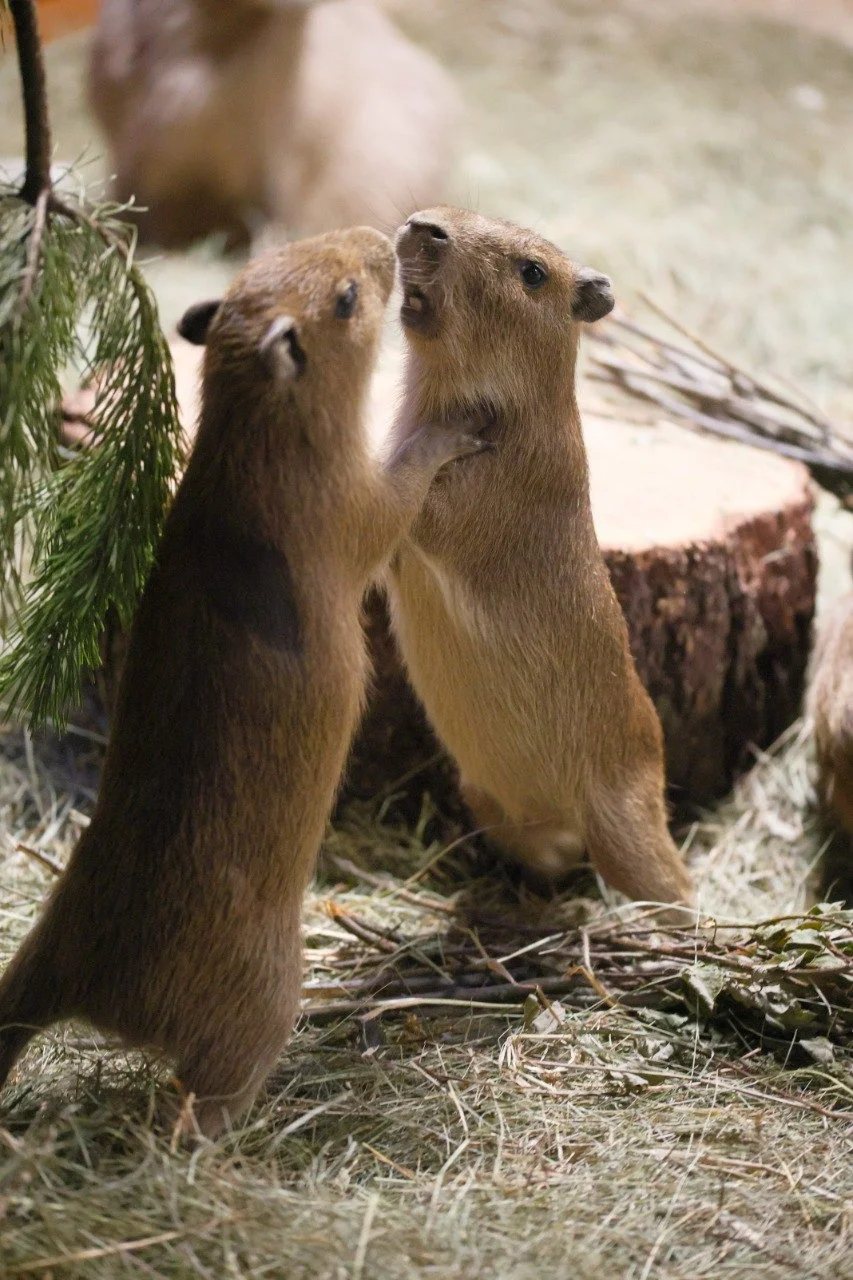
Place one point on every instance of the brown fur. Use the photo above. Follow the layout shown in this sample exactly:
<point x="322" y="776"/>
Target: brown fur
<point x="176" y="924"/>
<point x="830" y="706"/>
<point x="501" y="600"/>
<point x="222" y="114"/>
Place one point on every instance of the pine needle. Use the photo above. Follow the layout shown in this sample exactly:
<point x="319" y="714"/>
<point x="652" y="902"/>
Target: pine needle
<point x="78" y="530"/>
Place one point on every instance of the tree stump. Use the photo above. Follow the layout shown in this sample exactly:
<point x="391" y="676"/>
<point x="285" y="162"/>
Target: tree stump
<point x="712" y="554"/>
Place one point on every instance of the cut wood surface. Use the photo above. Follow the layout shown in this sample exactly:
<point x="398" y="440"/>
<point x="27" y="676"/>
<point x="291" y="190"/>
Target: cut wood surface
<point x="711" y="550"/>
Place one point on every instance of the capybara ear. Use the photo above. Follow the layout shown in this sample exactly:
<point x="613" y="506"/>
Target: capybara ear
<point x="593" y="295"/>
<point x="280" y="349"/>
<point x="195" y="322"/>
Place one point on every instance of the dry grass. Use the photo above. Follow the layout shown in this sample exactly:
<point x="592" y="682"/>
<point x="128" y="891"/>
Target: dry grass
<point x="455" y="1140"/>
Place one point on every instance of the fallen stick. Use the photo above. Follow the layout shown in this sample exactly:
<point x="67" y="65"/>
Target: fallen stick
<point x="789" y="979"/>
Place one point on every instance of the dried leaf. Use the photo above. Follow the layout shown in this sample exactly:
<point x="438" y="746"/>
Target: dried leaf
<point x="703" y="983"/>
<point x="819" y="1049"/>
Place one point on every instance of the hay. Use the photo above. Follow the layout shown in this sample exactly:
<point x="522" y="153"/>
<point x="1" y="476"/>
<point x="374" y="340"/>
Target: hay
<point x="670" y="149"/>
<point x="454" y="1140"/>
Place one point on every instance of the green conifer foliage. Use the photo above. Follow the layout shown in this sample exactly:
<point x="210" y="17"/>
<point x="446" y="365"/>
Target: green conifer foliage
<point x="78" y="528"/>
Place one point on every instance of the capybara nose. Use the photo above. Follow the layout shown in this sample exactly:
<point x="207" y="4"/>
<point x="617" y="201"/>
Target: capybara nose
<point x="431" y="229"/>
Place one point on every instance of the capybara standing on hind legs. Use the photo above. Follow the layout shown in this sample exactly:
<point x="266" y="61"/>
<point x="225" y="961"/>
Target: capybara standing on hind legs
<point x="500" y="597"/>
<point x="177" y="922"/>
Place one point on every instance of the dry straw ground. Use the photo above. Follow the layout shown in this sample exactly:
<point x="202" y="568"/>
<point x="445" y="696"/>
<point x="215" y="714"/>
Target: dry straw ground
<point x="564" y="1136"/>
<point x="703" y="156"/>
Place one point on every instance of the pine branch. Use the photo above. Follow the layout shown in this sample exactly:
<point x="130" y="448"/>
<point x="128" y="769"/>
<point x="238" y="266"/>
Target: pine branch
<point x="77" y="530"/>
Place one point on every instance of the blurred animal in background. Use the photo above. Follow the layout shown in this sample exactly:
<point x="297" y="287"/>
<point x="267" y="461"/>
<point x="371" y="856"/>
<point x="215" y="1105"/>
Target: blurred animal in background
<point x="225" y="115"/>
<point x="830" y="706"/>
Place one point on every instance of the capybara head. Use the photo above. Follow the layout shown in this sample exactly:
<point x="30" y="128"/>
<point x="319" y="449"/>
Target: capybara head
<point x="298" y="327"/>
<point x="494" y="306"/>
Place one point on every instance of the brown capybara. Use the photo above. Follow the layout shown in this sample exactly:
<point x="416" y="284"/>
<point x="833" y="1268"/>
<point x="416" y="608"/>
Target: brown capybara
<point x="176" y="925"/>
<point x="221" y="115"/>
<point x="500" y="598"/>
<point x="830" y="708"/>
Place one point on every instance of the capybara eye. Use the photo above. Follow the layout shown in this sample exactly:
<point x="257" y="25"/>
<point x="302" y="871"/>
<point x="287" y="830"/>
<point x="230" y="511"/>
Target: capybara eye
<point x="345" y="305"/>
<point x="533" y="274"/>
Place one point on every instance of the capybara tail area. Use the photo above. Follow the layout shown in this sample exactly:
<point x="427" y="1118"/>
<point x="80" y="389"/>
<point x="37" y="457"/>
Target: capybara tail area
<point x="30" y="999"/>
<point x="631" y="848"/>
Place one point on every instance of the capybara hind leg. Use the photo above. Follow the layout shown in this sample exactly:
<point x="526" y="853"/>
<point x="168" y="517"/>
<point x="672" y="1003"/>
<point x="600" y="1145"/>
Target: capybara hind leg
<point x="546" y="848"/>
<point x="214" y="1095"/>
<point x="631" y="848"/>
<point x="224" y="1069"/>
<point x="835" y="785"/>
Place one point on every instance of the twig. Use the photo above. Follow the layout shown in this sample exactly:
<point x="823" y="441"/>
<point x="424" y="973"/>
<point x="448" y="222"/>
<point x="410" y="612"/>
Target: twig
<point x="77" y="213"/>
<point x="359" y="930"/>
<point x="28" y="280"/>
<point x="696" y="385"/>
<point x="45" y="859"/>
<point x="817" y="416"/>
<point x="730" y="431"/>
<point x="427" y="901"/>
<point x="736" y="405"/>
<point x="630" y="968"/>
<point x="597" y="986"/>
<point x="34" y="88"/>
<point x="36" y="187"/>
<point x="714" y="365"/>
